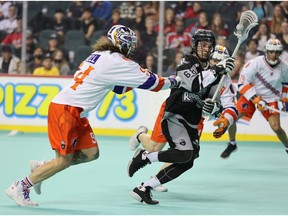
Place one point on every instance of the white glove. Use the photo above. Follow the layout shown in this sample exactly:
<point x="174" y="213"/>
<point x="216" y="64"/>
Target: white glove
<point x="225" y="66"/>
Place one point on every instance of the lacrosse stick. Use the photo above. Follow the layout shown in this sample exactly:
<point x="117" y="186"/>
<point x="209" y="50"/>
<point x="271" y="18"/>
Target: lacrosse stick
<point x="248" y="20"/>
<point x="276" y="110"/>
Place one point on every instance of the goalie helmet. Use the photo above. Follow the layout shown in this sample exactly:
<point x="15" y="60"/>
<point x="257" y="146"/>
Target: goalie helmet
<point x="123" y="38"/>
<point x="273" y="45"/>
<point x="203" y="35"/>
<point x="220" y="53"/>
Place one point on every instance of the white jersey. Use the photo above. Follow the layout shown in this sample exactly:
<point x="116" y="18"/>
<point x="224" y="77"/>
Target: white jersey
<point x="259" y="78"/>
<point x="105" y="71"/>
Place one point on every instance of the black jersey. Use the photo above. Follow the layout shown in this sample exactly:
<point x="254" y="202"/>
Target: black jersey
<point x="187" y="101"/>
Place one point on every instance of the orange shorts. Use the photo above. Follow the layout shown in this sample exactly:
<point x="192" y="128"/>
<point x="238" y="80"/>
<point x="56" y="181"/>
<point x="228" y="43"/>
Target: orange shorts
<point x="157" y="134"/>
<point x="248" y="108"/>
<point x="68" y="132"/>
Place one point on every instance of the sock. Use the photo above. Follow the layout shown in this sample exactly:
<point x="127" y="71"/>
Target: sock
<point x="26" y="182"/>
<point x="232" y="142"/>
<point x="153" y="156"/>
<point x="153" y="182"/>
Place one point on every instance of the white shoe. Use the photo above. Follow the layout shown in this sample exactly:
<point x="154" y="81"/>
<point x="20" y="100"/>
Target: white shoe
<point x="133" y="141"/>
<point x="160" y="188"/>
<point x="33" y="165"/>
<point x="20" y="195"/>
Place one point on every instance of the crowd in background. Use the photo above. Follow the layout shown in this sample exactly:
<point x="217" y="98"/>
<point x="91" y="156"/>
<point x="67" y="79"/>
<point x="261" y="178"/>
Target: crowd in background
<point x="60" y="34"/>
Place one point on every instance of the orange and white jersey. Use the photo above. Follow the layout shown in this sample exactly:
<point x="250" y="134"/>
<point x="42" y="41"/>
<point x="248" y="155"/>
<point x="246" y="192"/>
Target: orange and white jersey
<point x="102" y="72"/>
<point x="226" y="98"/>
<point x="259" y="78"/>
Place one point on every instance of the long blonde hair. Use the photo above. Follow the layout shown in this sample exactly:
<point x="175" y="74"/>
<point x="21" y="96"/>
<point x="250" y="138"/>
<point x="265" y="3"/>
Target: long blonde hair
<point x="103" y="44"/>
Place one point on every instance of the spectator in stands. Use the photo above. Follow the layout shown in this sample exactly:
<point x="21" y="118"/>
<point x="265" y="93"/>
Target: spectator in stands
<point x="31" y="45"/>
<point x="139" y="21"/>
<point x="60" y="25"/>
<point x="277" y="19"/>
<point x="9" y="23"/>
<point x="283" y="36"/>
<point x="40" y="21"/>
<point x="4" y="9"/>
<point x="182" y="9"/>
<point x="60" y="62"/>
<point x="89" y="24"/>
<point x="202" y="23"/>
<point x="151" y="9"/>
<point x="15" y="38"/>
<point x="9" y="63"/>
<point x="36" y="62"/>
<point x="150" y="63"/>
<point x="263" y="35"/>
<point x="263" y="10"/>
<point x="229" y="11"/>
<point x="127" y="10"/>
<point x="284" y="5"/>
<point x="47" y="68"/>
<point x="252" y="51"/>
<point x="218" y="27"/>
<point x="171" y="70"/>
<point x="149" y="35"/>
<point x="194" y="11"/>
<point x="239" y="63"/>
<point x="169" y="21"/>
<point x="101" y="10"/>
<point x="53" y="44"/>
<point x="75" y="11"/>
<point x="141" y="53"/>
<point x="179" y="39"/>
<point x="115" y="19"/>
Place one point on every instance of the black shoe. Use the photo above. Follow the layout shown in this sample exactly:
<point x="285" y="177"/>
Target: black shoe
<point x="229" y="149"/>
<point x="138" y="161"/>
<point x="144" y="195"/>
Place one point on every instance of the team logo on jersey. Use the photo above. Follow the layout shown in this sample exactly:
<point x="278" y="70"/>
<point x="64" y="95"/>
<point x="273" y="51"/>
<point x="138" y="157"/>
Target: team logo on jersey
<point x="187" y="97"/>
<point x="92" y="58"/>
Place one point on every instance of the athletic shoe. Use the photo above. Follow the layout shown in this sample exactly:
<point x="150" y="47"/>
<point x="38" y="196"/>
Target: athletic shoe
<point x="133" y="141"/>
<point x="138" y="161"/>
<point x="20" y="195"/>
<point x="33" y="165"/>
<point x="143" y="195"/>
<point x="160" y="188"/>
<point x="229" y="149"/>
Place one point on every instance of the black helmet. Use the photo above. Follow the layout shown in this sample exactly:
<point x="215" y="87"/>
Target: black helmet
<point x="203" y="35"/>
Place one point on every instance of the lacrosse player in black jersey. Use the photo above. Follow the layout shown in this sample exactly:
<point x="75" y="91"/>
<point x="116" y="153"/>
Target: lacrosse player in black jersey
<point x="184" y="109"/>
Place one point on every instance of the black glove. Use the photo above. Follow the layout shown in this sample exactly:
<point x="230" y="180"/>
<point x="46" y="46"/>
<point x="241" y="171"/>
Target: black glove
<point x="210" y="108"/>
<point x="225" y="66"/>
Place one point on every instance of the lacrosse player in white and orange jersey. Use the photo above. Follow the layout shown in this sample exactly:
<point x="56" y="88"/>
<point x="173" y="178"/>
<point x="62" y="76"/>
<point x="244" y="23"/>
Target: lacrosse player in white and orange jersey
<point x="263" y="82"/>
<point x="108" y="68"/>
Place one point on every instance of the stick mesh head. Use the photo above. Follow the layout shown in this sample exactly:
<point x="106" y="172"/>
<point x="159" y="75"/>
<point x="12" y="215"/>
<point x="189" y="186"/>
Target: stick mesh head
<point x="247" y="21"/>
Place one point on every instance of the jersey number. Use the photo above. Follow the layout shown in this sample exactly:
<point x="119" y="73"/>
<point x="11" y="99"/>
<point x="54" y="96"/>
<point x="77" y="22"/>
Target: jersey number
<point x="81" y="76"/>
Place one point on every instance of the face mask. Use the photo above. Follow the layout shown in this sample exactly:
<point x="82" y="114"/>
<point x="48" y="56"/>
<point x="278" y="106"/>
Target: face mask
<point x="57" y="61"/>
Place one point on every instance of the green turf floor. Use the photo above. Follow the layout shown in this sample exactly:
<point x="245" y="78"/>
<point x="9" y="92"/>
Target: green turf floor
<point x="252" y="181"/>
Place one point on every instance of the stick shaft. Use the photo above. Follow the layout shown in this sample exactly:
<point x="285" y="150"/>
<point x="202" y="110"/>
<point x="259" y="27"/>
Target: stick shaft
<point x="223" y="76"/>
<point x="276" y="110"/>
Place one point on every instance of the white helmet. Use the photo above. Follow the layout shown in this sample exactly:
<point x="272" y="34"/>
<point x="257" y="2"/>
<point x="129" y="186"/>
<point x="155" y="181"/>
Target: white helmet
<point x="220" y="53"/>
<point x="123" y="38"/>
<point x="273" y="45"/>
